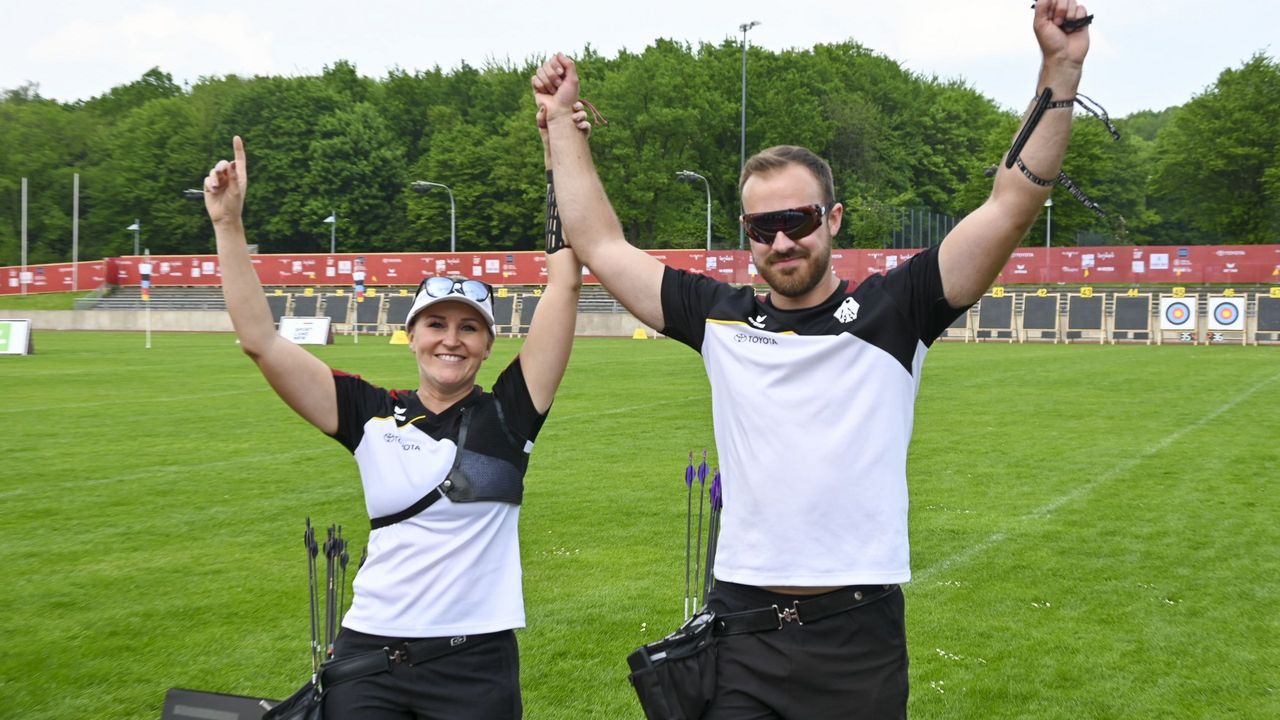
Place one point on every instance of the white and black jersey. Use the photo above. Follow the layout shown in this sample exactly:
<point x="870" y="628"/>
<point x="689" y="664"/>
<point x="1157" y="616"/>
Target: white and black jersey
<point x="813" y="413"/>
<point x="454" y="568"/>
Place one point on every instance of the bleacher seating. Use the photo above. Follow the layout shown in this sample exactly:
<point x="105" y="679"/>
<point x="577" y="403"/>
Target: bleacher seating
<point x="306" y="305"/>
<point x="279" y="306"/>
<point x="337" y="308"/>
<point x="383" y="313"/>
<point x="368" y="313"/>
<point x="396" y="310"/>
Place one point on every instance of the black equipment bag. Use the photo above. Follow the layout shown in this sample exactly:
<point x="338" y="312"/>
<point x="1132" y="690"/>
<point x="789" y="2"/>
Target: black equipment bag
<point x="302" y="705"/>
<point x="675" y="677"/>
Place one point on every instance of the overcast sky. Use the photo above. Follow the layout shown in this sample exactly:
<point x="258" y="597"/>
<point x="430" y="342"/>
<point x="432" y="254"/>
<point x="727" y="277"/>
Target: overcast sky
<point x="1146" y="54"/>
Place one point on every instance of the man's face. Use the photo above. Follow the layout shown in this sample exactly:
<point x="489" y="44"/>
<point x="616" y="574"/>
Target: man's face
<point x="791" y="267"/>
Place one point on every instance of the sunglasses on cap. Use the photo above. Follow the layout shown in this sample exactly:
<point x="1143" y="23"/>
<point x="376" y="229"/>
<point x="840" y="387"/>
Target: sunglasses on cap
<point x="795" y="223"/>
<point x="438" y="287"/>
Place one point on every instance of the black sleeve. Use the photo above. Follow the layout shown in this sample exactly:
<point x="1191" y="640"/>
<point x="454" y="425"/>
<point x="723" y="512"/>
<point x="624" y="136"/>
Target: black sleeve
<point x="687" y="299"/>
<point x="916" y="286"/>
<point x="518" y="412"/>
<point x="358" y="400"/>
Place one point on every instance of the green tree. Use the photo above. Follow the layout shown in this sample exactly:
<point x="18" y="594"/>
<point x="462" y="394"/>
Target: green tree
<point x="356" y="168"/>
<point x="1216" y="158"/>
<point x="278" y="118"/>
<point x="46" y="143"/>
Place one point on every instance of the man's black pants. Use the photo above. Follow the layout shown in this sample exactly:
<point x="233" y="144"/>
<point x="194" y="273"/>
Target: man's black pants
<point x="851" y="666"/>
<point x="479" y="681"/>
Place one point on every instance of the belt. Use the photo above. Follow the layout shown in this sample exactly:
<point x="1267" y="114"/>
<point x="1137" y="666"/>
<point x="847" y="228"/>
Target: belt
<point x="409" y="652"/>
<point x="801" y="611"/>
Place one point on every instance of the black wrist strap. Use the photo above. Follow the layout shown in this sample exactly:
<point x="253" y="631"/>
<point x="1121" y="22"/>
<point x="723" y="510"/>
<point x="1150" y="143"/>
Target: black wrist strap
<point x="1070" y="26"/>
<point x="554" y="231"/>
<point x="1044" y="102"/>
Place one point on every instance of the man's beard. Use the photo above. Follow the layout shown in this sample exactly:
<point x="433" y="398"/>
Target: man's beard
<point x="798" y="280"/>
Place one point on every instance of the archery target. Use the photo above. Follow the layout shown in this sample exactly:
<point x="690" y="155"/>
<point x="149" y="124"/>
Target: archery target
<point x="1226" y="313"/>
<point x="1177" y="313"/>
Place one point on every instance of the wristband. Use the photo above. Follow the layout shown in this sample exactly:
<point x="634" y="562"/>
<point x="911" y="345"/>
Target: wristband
<point x="554" y="232"/>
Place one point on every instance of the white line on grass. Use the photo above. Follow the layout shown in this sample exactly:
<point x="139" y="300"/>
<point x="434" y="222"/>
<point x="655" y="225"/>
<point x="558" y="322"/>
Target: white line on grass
<point x="1053" y="505"/>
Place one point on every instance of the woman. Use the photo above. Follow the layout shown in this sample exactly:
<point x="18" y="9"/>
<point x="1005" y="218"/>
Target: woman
<point x="430" y="630"/>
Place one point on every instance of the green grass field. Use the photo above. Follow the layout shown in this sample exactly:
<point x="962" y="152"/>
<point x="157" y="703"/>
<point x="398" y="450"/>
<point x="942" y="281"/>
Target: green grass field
<point x="41" y="301"/>
<point x="1095" y="530"/>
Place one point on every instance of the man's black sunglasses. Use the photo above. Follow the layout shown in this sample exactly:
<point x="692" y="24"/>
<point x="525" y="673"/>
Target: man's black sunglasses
<point x="795" y="223"/>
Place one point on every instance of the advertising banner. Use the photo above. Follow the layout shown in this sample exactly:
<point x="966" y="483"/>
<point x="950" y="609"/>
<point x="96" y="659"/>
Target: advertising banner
<point x="1119" y="265"/>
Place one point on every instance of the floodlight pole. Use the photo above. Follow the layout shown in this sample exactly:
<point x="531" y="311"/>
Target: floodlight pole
<point x="690" y="176"/>
<point x="333" y="232"/>
<point x="22" y="274"/>
<point x="1048" y="221"/>
<point x="424" y="186"/>
<point x="742" y="153"/>
<point x="136" y="227"/>
<point x="75" y="232"/>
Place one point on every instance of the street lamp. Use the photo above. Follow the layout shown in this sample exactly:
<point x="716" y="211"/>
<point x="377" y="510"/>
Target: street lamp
<point x="742" y="155"/>
<point x="333" y="231"/>
<point x="423" y="186"/>
<point x="690" y="177"/>
<point x="136" y="227"/>
<point x="1048" y="221"/>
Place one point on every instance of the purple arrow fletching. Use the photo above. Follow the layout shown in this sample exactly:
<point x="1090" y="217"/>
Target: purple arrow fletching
<point x="688" y="472"/>
<point x="717" y="500"/>
<point x="702" y="469"/>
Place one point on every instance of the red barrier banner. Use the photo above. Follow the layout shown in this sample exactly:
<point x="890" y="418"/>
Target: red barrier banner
<point x="1120" y="265"/>
<point x="54" y="277"/>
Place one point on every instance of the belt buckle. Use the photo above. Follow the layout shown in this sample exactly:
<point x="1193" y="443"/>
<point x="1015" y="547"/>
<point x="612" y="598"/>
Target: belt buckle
<point x="791" y="614"/>
<point x="400" y="654"/>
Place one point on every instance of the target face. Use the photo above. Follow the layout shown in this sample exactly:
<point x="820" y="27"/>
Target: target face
<point x="1177" y="313"/>
<point x="1226" y="313"/>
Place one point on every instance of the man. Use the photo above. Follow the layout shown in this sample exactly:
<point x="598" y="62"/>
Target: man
<point x="813" y="387"/>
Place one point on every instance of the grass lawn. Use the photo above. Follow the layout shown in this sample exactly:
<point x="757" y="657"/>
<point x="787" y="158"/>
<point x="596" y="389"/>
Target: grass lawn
<point x="1095" y="530"/>
<point x="12" y="305"/>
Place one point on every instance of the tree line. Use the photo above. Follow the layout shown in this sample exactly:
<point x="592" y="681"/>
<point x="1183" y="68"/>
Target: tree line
<point x="1207" y="171"/>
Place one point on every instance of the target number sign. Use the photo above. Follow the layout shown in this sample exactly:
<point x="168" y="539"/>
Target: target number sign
<point x="1086" y="291"/>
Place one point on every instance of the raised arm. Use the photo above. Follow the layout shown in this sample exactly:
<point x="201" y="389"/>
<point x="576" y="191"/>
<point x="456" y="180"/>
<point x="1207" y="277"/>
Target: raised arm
<point x="298" y="377"/>
<point x="633" y="276"/>
<point x="973" y="254"/>
<point x="545" y="352"/>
